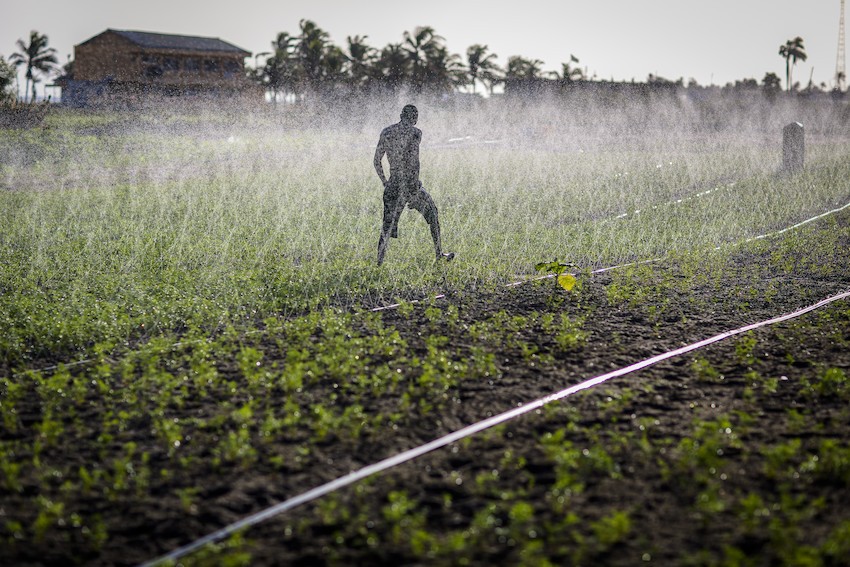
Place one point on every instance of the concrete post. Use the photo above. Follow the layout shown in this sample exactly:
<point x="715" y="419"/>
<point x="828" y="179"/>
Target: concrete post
<point x="793" y="147"/>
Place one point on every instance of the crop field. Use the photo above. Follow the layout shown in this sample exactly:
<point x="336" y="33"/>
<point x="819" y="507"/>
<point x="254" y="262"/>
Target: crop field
<point x="193" y="329"/>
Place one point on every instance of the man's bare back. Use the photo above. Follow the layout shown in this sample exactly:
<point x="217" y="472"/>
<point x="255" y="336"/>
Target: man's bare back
<point x="400" y="143"/>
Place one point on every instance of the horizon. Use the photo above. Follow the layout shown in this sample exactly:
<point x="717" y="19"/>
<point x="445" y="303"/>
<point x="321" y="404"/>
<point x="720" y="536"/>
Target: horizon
<point x="615" y="40"/>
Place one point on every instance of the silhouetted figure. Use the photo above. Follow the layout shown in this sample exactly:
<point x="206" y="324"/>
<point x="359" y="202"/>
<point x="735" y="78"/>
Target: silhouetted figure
<point x="400" y="142"/>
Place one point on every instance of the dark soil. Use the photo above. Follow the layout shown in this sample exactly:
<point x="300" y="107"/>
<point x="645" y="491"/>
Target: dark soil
<point x="734" y="454"/>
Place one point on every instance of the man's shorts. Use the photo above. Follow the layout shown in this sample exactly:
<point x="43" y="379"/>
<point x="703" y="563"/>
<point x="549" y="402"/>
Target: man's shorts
<point x="396" y="199"/>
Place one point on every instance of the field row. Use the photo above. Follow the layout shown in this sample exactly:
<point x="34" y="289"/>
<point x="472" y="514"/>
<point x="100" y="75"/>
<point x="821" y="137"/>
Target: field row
<point x="91" y="268"/>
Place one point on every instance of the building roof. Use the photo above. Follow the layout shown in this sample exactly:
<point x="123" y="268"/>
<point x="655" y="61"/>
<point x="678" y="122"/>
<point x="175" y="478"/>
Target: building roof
<point x="151" y="40"/>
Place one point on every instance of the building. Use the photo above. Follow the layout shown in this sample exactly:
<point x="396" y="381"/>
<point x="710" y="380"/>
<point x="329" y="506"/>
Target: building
<point x="120" y="66"/>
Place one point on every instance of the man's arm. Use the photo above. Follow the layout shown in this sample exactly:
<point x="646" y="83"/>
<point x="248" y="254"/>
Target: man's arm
<point x="414" y="165"/>
<point x="380" y="150"/>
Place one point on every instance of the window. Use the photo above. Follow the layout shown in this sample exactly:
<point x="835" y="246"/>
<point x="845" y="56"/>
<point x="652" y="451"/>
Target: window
<point x="170" y="64"/>
<point x="231" y="67"/>
<point x="153" y="71"/>
<point x="191" y="64"/>
<point x="211" y="65"/>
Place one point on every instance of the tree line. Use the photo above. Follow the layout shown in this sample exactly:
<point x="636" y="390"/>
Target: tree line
<point x="310" y="64"/>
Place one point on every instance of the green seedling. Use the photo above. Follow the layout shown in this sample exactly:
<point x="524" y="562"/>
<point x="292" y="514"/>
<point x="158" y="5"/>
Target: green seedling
<point x="559" y="270"/>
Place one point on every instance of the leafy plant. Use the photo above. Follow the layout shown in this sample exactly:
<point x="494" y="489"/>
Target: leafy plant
<point x="559" y="270"/>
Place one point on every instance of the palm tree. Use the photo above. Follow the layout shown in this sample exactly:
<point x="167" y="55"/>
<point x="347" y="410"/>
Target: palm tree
<point x="311" y="51"/>
<point x="568" y="72"/>
<point x="443" y="70"/>
<point x="360" y="59"/>
<point x="333" y="68"/>
<point x="419" y="46"/>
<point x="522" y="68"/>
<point x="479" y="63"/>
<point x="791" y="52"/>
<point x="392" y="65"/>
<point x="36" y="56"/>
<point x="492" y="76"/>
<point x="522" y="74"/>
<point x="280" y="72"/>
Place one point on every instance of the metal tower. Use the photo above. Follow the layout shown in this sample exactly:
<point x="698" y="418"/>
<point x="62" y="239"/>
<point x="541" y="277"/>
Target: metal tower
<point x="840" y="66"/>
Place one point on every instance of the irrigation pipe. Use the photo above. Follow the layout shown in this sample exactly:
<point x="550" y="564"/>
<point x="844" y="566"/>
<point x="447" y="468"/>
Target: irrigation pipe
<point x="467" y="431"/>
<point x="521" y="282"/>
<point x="798" y="225"/>
<point x="678" y="201"/>
<point x="660" y="258"/>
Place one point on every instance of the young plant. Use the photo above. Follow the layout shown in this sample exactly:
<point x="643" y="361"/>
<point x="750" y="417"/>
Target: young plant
<point x="565" y="279"/>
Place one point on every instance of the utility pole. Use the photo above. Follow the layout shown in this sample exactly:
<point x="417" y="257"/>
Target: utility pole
<point x="840" y="66"/>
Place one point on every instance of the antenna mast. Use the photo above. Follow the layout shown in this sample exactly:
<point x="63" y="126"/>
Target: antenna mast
<point x="840" y="66"/>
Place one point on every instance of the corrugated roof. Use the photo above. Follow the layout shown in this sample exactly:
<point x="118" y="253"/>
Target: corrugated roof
<point x="182" y="42"/>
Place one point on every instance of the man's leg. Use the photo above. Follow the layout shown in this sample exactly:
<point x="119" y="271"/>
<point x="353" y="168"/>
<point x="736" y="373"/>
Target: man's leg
<point x="423" y="203"/>
<point x="393" y="207"/>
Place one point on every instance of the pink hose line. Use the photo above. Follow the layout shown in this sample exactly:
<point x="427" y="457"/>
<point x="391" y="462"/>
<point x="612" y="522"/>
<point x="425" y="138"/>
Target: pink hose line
<point x="467" y="431"/>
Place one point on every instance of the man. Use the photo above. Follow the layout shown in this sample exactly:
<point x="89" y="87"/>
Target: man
<point x="400" y="143"/>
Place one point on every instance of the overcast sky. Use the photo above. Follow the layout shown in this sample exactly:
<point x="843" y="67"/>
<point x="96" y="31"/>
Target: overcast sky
<point x="716" y="41"/>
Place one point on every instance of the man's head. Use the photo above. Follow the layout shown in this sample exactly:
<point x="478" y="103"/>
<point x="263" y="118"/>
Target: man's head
<point x="409" y="114"/>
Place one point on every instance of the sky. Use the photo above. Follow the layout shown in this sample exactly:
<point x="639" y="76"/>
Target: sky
<point x="712" y="41"/>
